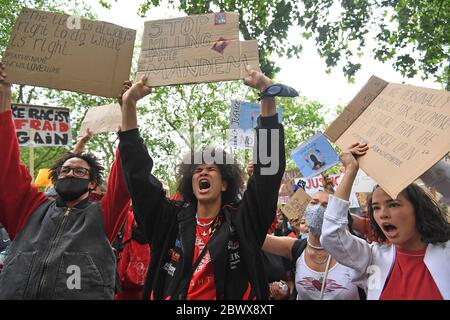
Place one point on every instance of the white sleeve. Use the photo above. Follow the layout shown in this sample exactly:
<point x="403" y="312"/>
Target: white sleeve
<point x="347" y="249"/>
<point x="438" y="177"/>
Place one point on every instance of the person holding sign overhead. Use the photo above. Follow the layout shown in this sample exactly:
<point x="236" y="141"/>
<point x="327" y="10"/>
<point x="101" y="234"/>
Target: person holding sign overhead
<point x="61" y="248"/>
<point x="414" y="265"/>
<point x="210" y="247"/>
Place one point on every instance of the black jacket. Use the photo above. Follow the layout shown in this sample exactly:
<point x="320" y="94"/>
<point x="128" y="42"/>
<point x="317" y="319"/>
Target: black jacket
<point x="60" y="254"/>
<point x="235" y="247"/>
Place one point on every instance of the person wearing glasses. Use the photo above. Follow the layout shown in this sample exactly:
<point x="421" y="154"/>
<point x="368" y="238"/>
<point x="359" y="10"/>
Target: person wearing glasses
<point x="61" y="247"/>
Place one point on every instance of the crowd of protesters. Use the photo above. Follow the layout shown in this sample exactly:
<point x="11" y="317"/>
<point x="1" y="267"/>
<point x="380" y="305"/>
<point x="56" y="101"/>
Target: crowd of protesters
<point x="219" y="237"/>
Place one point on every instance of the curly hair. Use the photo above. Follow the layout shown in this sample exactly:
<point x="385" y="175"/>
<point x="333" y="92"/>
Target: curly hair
<point x="95" y="168"/>
<point x="430" y="220"/>
<point x="229" y="169"/>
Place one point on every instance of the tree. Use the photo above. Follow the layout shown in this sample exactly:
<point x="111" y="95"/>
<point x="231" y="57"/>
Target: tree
<point x="173" y="120"/>
<point x="179" y="119"/>
<point x="413" y="34"/>
<point x="302" y="118"/>
<point x="78" y="103"/>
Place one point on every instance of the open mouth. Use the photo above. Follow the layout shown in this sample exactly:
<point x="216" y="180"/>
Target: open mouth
<point x="204" y="185"/>
<point x="390" y="230"/>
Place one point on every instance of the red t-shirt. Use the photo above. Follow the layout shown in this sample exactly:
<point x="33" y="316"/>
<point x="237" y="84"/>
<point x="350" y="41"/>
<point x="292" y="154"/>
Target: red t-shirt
<point x="202" y="285"/>
<point x="410" y="278"/>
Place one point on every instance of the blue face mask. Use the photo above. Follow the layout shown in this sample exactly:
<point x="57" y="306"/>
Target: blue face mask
<point x="314" y="218"/>
<point x="303" y="236"/>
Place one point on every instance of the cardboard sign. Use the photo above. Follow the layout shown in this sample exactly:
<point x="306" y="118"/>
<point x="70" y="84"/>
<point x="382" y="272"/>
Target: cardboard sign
<point x="243" y="119"/>
<point x="406" y="127"/>
<point x="314" y="156"/>
<point x="45" y="126"/>
<point x="195" y="49"/>
<point x="296" y="205"/>
<point x="363" y="183"/>
<point x="64" y="52"/>
<point x="100" y="119"/>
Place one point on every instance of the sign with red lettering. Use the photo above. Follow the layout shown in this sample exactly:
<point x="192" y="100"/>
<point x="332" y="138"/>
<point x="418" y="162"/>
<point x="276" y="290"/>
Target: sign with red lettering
<point x="363" y="183"/>
<point x="43" y="126"/>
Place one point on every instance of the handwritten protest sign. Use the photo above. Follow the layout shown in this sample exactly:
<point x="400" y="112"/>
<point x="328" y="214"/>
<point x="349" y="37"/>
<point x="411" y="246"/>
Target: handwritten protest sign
<point x="195" y="49"/>
<point x="314" y="156"/>
<point x="49" y="127"/>
<point x="59" y="51"/>
<point x="296" y="205"/>
<point x="363" y="183"/>
<point x="406" y="127"/>
<point x="100" y="119"/>
<point x="243" y="119"/>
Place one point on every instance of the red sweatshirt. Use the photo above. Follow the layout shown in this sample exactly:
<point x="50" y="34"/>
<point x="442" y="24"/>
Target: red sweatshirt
<point x="19" y="198"/>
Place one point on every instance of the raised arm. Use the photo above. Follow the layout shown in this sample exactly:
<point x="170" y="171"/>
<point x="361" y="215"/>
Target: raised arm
<point x="259" y="81"/>
<point x="81" y="143"/>
<point x="347" y="249"/>
<point x="281" y="246"/>
<point x="261" y="197"/>
<point x="18" y="197"/>
<point x="150" y="207"/>
<point x="115" y="202"/>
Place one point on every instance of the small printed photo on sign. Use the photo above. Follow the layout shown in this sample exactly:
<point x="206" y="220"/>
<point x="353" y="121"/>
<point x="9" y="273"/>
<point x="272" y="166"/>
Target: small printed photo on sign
<point x="220" y="45"/>
<point x="220" y="18"/>
<point x="314" y="156"/>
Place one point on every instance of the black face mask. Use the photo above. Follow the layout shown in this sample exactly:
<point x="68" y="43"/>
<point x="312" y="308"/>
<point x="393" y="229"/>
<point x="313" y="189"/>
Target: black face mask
<point x="70" y="189"/>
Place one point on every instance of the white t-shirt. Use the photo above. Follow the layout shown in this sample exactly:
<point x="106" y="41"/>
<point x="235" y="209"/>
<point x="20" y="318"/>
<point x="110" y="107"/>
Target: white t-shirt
<point x="338" y="285"/>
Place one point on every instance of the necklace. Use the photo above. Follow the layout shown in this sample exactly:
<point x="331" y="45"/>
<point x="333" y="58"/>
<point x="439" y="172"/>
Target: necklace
<point x="317" y="261"/>
<point x="314" y="247"/>
<point x="204" y="225"/>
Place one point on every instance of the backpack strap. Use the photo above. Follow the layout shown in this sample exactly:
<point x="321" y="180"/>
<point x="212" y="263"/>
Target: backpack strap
<point x="297" y="249"/>
<point x="183" y="288"/>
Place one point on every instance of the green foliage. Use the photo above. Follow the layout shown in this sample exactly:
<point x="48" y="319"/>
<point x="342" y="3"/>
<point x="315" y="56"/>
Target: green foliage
<point x="103" y="145"/>
<point x="302" y="119"/>
<point x="173" y="120"/>
<point x="413" y="34"/>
